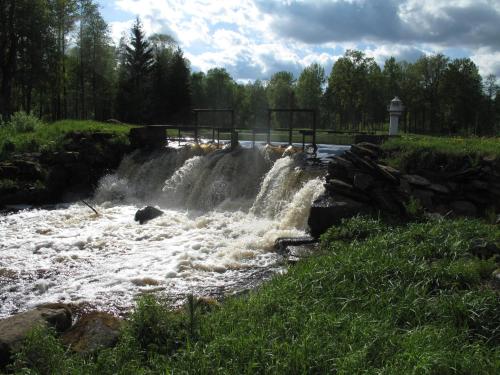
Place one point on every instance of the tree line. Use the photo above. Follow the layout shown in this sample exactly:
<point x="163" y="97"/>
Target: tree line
<point x="57" y="60"/>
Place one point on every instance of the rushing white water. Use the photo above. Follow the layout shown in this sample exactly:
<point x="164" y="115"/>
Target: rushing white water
<point x="223" y="212"/>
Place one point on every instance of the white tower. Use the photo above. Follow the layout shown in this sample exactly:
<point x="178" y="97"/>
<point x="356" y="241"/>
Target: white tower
<point x="395" y="111"/>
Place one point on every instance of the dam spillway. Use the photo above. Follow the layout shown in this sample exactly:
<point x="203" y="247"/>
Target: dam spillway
<point x="223" y="210"/>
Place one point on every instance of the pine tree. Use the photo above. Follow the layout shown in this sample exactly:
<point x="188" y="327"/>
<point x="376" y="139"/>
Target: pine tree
<point x="135" y="86"/>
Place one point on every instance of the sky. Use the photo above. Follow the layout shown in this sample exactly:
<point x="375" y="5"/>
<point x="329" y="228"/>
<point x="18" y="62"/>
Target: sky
<point x="253" y="39"/>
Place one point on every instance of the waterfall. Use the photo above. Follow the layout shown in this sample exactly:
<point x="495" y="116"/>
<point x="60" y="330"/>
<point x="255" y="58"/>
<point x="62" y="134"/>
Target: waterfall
<point x="244" y="179"/>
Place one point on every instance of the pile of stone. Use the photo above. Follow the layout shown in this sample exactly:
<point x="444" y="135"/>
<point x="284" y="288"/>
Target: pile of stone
<point x="359" y="183"/>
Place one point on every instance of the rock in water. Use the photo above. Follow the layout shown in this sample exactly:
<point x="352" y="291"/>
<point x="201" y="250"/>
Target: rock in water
<point x="14" y="330"/>
<point x="147" y="213"/>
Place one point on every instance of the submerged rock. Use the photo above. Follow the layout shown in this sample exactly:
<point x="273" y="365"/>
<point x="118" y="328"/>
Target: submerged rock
<point x="147" y="213"/>
<point x="93" y="331"/>
<point x="14" y="329"/>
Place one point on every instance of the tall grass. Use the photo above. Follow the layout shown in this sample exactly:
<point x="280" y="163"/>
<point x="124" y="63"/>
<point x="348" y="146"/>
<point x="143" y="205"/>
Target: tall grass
<point x="25" y="133"/>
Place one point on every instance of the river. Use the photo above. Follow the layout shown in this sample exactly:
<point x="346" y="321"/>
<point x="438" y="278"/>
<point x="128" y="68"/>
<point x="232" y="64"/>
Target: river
<point x="222" y="213"/>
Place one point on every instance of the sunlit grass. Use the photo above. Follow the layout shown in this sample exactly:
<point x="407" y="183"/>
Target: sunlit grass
<point x="450" y="145"/>
<point x="49" y="136"/>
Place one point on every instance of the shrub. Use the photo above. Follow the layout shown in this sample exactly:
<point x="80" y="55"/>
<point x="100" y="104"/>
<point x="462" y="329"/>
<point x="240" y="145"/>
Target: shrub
<point x="152" y="327"/>
<point x="22" y="122"/>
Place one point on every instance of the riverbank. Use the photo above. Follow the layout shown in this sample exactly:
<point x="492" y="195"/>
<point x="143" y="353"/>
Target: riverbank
<point x="416" y="298"/>
<point x="53" y="163"/>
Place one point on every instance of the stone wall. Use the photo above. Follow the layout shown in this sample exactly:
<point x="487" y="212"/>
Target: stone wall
<point x="360" y="183"/>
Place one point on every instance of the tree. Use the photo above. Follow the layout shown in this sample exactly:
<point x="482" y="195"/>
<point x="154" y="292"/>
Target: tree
<point x="198" y="90"/>
<point x="347" y="86"/>
<point x="163" y="51"/>
<point x="93" y="65"/>
<point x="179" y="88"/>
<point x="310" y="86"/>
<point x="429" y="71"/>
<point x="257" y="103"/>
<point x="461" y="93"/>
<point x="137" y="62"/>
<point x="393" y="77"/>
<point x="280" y="94"/>
<point x="64" y="13"/>
<point x="220" y="91"/>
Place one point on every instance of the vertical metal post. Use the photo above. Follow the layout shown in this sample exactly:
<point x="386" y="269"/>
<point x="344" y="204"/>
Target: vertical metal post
<point x="213" y="135"/>
<point x="290" y="129"/>
<point x="179" y="135"/>
<point x="234" y="135"/>
<point x="253" y="138"/>
<point x="314" y="130"/>
<point x="268" y="127"/>
<point x="196" y="127"/>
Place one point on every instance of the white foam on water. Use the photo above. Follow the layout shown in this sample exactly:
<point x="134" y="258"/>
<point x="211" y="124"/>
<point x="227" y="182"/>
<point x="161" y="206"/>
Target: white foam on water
<point x="222" y="213"/>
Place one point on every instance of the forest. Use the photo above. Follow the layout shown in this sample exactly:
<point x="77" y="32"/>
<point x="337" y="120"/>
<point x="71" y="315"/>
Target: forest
<point x="58" y="61"/>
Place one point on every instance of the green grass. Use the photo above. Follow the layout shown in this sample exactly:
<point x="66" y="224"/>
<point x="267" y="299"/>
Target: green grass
<point x="49" y="136"/>
<point x="377" y="299"/>
<point x="406" y="147"/>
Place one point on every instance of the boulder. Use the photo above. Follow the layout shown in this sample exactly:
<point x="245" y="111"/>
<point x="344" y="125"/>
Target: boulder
<point x="363" y="151"/>
<point x="479" y="198"/>
<point x="360" y="162"/>
<point x="363" y="181"/>
<point x="14" y="329"/>
<point x="327" y="211"/>
<point x="416" y="180"/>
<point x="387" y="201"/>
<point x="425" y="197"/>
<point x="475" y="185"/>
<point x="465" y="174"/>
<point x="371" y="146"/>
<point x="438" y="188"/>
<point x="147" y="213"/>
<point x="387" y="173"/>
<point x="393" y="171"/>
<point x="463" y="208"/>
<point x="340" y="187"/>
<point x="93" y="331"/>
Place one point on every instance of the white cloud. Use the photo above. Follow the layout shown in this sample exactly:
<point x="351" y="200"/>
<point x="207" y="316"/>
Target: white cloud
<point x="243" y="35"/>
<point x="488" y="61"/>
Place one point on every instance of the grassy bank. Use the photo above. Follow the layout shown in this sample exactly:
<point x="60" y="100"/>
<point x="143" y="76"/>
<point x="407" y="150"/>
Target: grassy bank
<point x="30" y="135"/>
<point x="406" y="147"/>
<point x="410" y="299"/>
